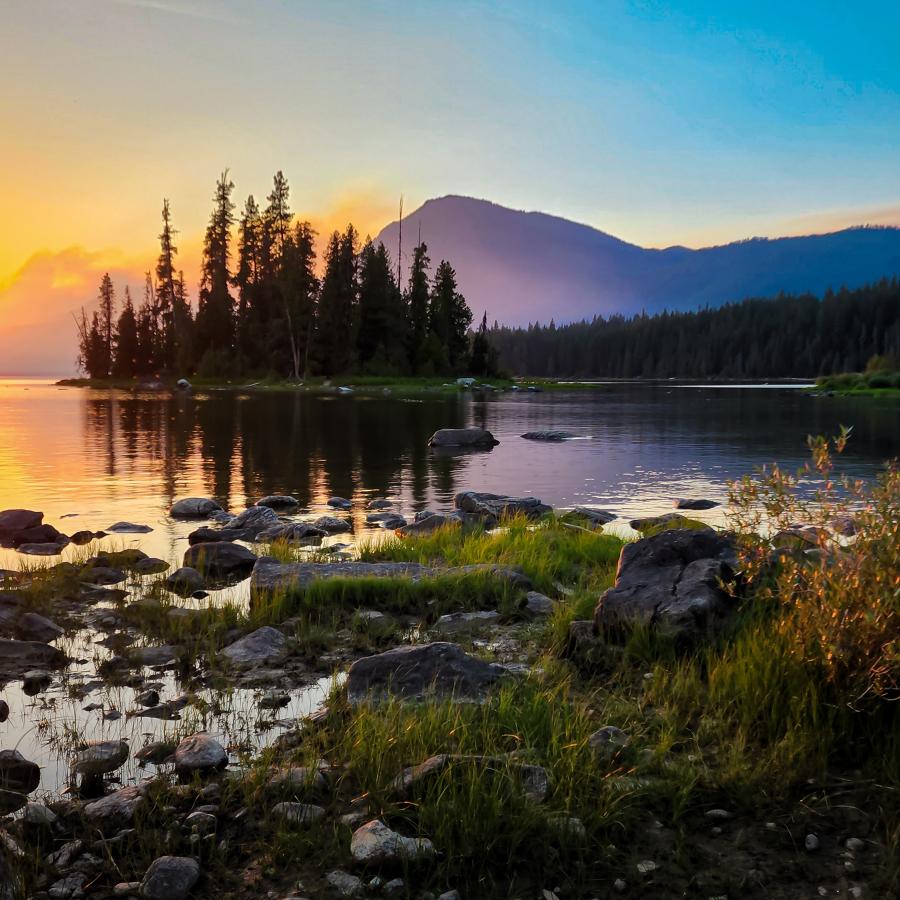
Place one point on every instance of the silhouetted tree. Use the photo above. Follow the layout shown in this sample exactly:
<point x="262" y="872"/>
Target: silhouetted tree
<point x="417" y="297"/>
<point x="125" y="358"/>
<point x="299" y="287"/>
<point x="337" y="304"/>
<point x="449" y="317"/>
<point x="380" y="343"/>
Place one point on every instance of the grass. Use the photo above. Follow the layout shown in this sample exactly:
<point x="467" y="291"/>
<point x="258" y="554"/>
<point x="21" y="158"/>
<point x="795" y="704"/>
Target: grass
<point x="864" y="384"/>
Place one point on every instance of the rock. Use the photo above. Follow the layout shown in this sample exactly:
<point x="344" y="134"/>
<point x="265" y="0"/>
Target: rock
<point x="274" y="699"/>
<point x="667" y="520"/>
<point x="115" y="810"/>
<point x="430" y="523"/>
<point x="19" y="519"/>
<point x="671" y="581"/>
<point x="33" y="627"/>
<point x="396" y="887"/>
<point x="201" y="822"/>
<point x="184" y="581"/>
<point x="463" y="622"/>
<point x="69" y="886"/>
<point x="299" y="778"/>
<point x="538" y="605"/>
<point x="374" y="844"/>
<point x="568" y="827"/>
<point x="129" y="528"/>
<point x="620" y="885"/>
<point x="156" y="752"/>
<point x="18" y="778"/>
<point x="39" y="534"/>
<point x="147" y="698"/>
<point x="126" y="888"/>
<point x="811" y="843"/>
<point x="463" y="438"/>
<point x="102" y="575"/>
<point x="160" y="655"/>
<point x="194" y="508"/>
<point x="4" y="710"/>
<point x="271" y="576"/>
<point x="39" y="815"/>
<point x="292" y="533"/>
<point x="497" y="506"/>
<point x="339" y="503"/>
<point x="379" y="503"/>
<point x="35" y="680"/>
<point x="266" y="644"/>
<point x="332" y="525"/>
<point x="846" y="526"/>
<point x="549" y="436"/>
<point x="278" y="501"/>
<point x="414" y="671"/>
<point x="62" y="859"/>
<point x="343" y="884"/>
<point x="646" y="866"/>
<point x="256" y="517"/>
<point x="100" y="758"/>
<point x="720" y="815"/>
<point x="40" y="549"/>
<point x="151" y="566"/>
<point x="220" y="560"/>
<point x="699" y="503"/>
<point x="17" y="656"/>
<point x="608" y="738"/>
<point x="170" y="878"/>
<point x="298" y="813"/>
<point x="449" y="895"/>
<point x="199" y="753"/>
<point x="80" y="538"/>
<point x="595" y="516"/>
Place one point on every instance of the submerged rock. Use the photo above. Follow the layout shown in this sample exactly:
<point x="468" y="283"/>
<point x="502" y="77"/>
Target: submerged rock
<point x="170" y="878"/>
<point x="34" y="627"/>
<point x="595" y="516"/>
<point x="194" y="508"/>
<point x="549" y="436"/>
<point x="422" y="669"/>
<point x="184" y="581"/>
<point x="332" y="524"/>
<point x="671" y="581"/>
<point x="100" y="758"/>
<point x="292" y="532"/>
<point x="129" y="528"/>
<point x="339" y="503"/>
<point x="374" y="844"/>
<point x="498" y="506"/>
<point x="278" y="501"/>
<point x="220" y="560"/>
<point x="699" y="503"/>
<point x="44" y="549"/>
<point x="18" y="778"/>
<point x="256" y="517"/>
<point x="266" y="644"/>
<point x="18" y="656"/>
<point x="463" y="438"/>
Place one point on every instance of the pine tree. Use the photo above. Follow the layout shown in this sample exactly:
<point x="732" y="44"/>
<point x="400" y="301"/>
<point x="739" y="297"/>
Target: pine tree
<point x="449" y="316"/>
<point x="484" y="356"/>
<point x="247" y="280"/>
<point x="166" y="289"/>
<point x="337" y="304"/>
<point x="381" y="339"/>
<point x="417" y="305"/>
<point x="125" y="360"/>
<point x="106" y="302"/>
<point x="299" y="287"/>
<point x="215" y="313"/>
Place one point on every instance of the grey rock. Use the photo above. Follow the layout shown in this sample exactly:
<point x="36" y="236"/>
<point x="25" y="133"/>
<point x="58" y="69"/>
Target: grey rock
<point x="430" y="523"/>
<point x="42" y="549"/>
<point x="396" y="887"/>
<point x="811" y="842"/>
<point x="151" y="566"/>
<point x="332" y="524"/>
<point x="18" y="778"/>
<point x="594" y="515"/>
<point x="549" y="436"/>
<point x="115" y="810"/>
<point x="278" y="501"/>
<point x="608" y="738"/>
<point x="184" y="581"/>
<point x="69" y="886"/>
<point x="671" y="581"/>
<point x="266" y="644"/>
<point x="201" y="822"/>
<point x="698" y="503"/>
<point x="199" y="753"/>
<point x="538" y="605"/>
<point x="257" y="517"/>
<point x="343" y="884"/>
<point x="170" y="878"/>
<point x="464" y="622"/>
<point x="155" y="656"/>
<point x="299" y="778"/>
<point x="379" y="503"/>
<point x="298" y="813"/>
<point x="292" y="532"/>
<point x="271" y="575"/>
<point x="220" y="560"/>
<point x="194" y="508"/>
<point x="156" y="752"/>
<point x="374" y="844"/>
<point x="667" y="520"/>
<point x="463" y="438"/>
<point x="99" y="758"/>
<point x="413" y="671"/>
<point x="102" y="575"/>
<point x="129" y="528"/>
<point x="34" y="627"/>
<point x="39" y="815"/>
<point x="339" y="503"/>
<point x="36" y="680"/>
<point x="17" y="656"/>
<point x="498" y="506"/>
<point x="19" y="519"/>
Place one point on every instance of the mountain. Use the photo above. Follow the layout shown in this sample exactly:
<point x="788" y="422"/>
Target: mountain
<point x="528" y="266"/>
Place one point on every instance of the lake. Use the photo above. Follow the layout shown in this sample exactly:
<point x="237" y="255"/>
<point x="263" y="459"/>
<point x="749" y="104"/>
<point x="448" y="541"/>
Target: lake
<point x="89" y="458"/>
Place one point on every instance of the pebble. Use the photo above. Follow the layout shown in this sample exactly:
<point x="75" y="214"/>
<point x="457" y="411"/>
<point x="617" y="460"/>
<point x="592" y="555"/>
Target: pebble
<point x="855" y="844"/>
<point x="646" y="866"/>
<point x="396" y="887"/>
<point x="620" y="885"/>
<point x="811" y="842"/>
<point x="721" y="814"/>
<point x="345" y="885"/>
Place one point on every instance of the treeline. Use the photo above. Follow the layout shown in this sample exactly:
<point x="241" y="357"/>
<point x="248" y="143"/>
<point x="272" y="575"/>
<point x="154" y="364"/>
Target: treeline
<point x="263" y="309"/>
<point x="787" y="336"/>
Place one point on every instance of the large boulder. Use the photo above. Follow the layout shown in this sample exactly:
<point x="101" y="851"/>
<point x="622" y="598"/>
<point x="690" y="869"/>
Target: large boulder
<point x="415" y="671"/>
<point x="671" y="581"/>
<point x="170" y="878"/>
<point x="266" y="644"/>
<point x="463" y="439"/>
<point x="498" y="506"/>
<point x="17" y="657"/>
<point x="271" y="575"/>
<point x="18" y="778"/>
<point x="194" y="508"/>
<point x="220" y="560"/>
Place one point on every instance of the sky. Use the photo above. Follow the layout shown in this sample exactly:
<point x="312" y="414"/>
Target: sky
<point x="662" y="123"/>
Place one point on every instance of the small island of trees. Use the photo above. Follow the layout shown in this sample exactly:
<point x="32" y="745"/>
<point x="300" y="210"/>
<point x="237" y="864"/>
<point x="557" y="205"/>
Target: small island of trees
<point x="267" y="311"/>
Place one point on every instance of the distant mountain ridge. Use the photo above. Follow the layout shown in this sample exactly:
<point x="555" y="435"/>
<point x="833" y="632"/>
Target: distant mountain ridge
<point x="529" y="266"/>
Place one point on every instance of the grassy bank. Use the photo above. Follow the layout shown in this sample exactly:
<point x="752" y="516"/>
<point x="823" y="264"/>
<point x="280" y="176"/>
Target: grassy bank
<point x="862" y="384"/>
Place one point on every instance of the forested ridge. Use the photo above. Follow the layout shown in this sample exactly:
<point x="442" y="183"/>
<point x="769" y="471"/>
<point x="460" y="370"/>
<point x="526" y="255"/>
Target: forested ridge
<point x="786" y="336"/>
<point x="264" y="309"/>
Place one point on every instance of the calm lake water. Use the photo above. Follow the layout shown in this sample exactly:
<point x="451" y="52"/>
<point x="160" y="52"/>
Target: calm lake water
<point x="91" y="458"/>
<point x="97" y="457"/>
